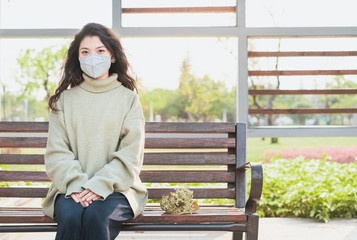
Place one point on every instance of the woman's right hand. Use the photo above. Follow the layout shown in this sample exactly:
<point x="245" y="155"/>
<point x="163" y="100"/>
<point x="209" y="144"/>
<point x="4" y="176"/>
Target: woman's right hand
<point x="77" y="199"/>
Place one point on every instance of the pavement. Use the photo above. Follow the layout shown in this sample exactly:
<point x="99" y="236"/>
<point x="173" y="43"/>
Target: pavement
<point x="269" y="229"/>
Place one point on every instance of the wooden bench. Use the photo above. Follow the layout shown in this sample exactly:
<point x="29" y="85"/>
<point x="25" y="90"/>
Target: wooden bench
<point x="210" y="153"/>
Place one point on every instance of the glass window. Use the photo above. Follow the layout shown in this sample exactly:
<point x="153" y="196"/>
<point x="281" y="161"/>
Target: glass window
<point x="179" y="74"/>
<point x="24" y="67"/>
<point x="181" y="79"/>
<point x="18" y="14"/>
<point x="329" y="55"/>
<point x="226" y="16"/>
<point x="302" y="13"/>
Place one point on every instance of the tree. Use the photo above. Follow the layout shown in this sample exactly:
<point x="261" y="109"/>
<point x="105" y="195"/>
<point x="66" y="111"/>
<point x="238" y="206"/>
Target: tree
<point x="196" y="99"/>
<point x="201" y="99"/>
<point x="39" y="70"/>
<point x="341" y="100"/>
<point x="19" y="108"/>
<point x="295" y="102"/>
<point x="160" y="102"/>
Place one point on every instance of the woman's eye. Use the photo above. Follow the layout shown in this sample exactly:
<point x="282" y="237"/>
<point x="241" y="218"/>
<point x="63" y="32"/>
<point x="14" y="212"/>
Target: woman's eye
<point x="84" y="52"/>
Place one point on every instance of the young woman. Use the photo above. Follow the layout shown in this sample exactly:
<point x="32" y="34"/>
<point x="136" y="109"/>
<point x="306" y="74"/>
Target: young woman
<point x="95" y="144"/>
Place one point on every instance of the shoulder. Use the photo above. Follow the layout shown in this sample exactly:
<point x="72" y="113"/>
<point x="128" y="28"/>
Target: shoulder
<point x="71" y="91"/>
<point x="129" y="95"/>
<point x="133" y="103"/>
<point x="68" y="93"/>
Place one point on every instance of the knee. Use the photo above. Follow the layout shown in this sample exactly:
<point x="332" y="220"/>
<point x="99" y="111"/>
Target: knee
<point x="69" y="218"/>
<point x="68" y="214"/>
<point x="93" y="216"/>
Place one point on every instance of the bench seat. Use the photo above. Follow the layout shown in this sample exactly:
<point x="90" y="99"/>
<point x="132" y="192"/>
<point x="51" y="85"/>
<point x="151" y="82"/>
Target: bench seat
<point x="152" y="215"/>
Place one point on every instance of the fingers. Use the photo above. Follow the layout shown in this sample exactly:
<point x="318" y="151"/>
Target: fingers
<point x="97" y="198"/>
<point x="89" y="196"/>
<point x="85" y="198"/>
<point x="75" y="197"/>
<point x="93" y="198"/>
<point x="85" y="192"/>
<point x="84" y="204"/>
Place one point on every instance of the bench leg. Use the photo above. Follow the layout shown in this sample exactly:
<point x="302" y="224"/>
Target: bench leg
<point x="252" y="229"/>
<point x="237" y="236"/>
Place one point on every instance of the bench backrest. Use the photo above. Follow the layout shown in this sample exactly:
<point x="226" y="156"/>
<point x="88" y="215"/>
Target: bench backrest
<point x="175" y="153"/>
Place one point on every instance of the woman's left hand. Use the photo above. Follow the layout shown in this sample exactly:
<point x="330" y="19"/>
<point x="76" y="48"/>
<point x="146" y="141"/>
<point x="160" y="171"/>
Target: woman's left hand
<point x="89" y="196"/>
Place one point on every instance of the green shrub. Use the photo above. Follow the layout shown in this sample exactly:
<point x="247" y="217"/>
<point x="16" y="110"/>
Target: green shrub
<point x="309" y="189"/>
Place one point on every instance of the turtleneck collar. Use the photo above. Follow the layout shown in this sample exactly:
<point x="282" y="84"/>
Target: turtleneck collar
<point x="100" y="85"/>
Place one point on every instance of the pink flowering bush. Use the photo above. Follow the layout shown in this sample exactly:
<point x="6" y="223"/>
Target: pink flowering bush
<point x="339" y="154"/>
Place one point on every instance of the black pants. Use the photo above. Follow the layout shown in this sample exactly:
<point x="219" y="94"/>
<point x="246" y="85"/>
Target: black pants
<point x="101" y="220"/>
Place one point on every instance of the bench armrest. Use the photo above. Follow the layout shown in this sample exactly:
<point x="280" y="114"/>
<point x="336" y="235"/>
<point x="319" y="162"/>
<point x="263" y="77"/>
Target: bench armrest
<point x="256" y="185"/>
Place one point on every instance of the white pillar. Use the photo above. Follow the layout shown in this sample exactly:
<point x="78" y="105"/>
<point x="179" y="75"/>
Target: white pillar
<point x="151" y="110"/>
<point x="0" y="66"/>
<point x="26" y="107"/>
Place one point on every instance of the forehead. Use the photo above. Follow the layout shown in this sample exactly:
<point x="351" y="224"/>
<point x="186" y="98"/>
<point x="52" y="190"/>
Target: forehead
<point x="91" y="42"/>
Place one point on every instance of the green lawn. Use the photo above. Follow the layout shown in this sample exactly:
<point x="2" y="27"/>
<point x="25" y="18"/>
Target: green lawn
<point x="256" y="147"/>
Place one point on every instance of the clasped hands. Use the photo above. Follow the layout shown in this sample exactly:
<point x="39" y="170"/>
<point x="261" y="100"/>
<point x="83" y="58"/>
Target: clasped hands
<point x="85" y="198"/>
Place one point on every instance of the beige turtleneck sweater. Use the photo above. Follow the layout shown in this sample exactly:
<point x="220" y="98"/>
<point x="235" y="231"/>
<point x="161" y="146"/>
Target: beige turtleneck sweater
<point x="96" y="142"/>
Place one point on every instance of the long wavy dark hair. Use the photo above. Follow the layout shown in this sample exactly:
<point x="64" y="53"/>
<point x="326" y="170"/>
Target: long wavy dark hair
<point x="72" y="72"/>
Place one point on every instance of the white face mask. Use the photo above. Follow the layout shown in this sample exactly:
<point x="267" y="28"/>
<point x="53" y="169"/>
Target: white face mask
<point x="95" y="65"/>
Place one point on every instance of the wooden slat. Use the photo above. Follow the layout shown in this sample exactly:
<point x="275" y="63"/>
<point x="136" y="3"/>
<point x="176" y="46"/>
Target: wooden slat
<point x="189" y="143"/>
<point x="23" y="127"/>
<point x="301" y="91"/>
<point x="152" y="127"/>
<point x="36" y="159"/>
<point x="171" y="176"/>
<point x="23" y="142"/>
<point x="303" y="54"/>
<point x="302" y="72"/>
<point x="27" y="176"/>
<point x="188" y="159"/>
<point x="180" y="127"/>
<point x="303" y="111"/>
<point x="20" y="209"/>
<point x="199" y="193"/>
<point x="23" y="215"/>
<point x="181" y="10"/>
<point x="40" y="142"/>
<point x="151" y="215"/>
<point x="23" y="192"/>
<point x="149" y="159"/>
<point x="154" y="193"/>
<point x="146" y="176"/>
<point x="156" y="215"/>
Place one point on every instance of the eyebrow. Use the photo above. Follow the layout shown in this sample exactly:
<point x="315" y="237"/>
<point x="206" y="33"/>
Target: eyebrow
<point x="88" y="48"/>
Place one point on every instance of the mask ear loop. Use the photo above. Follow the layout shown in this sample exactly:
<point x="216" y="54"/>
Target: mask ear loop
<point x="113" y="60"/>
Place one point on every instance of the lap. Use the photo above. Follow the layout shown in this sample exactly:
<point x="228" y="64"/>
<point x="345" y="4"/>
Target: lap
<point x="66" y="208"/>
<point x="115" y="207"/>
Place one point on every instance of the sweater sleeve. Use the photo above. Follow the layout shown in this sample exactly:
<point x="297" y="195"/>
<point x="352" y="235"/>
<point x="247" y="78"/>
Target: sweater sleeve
<point x="62" y="168"/>
<point x="120" y="173"/>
